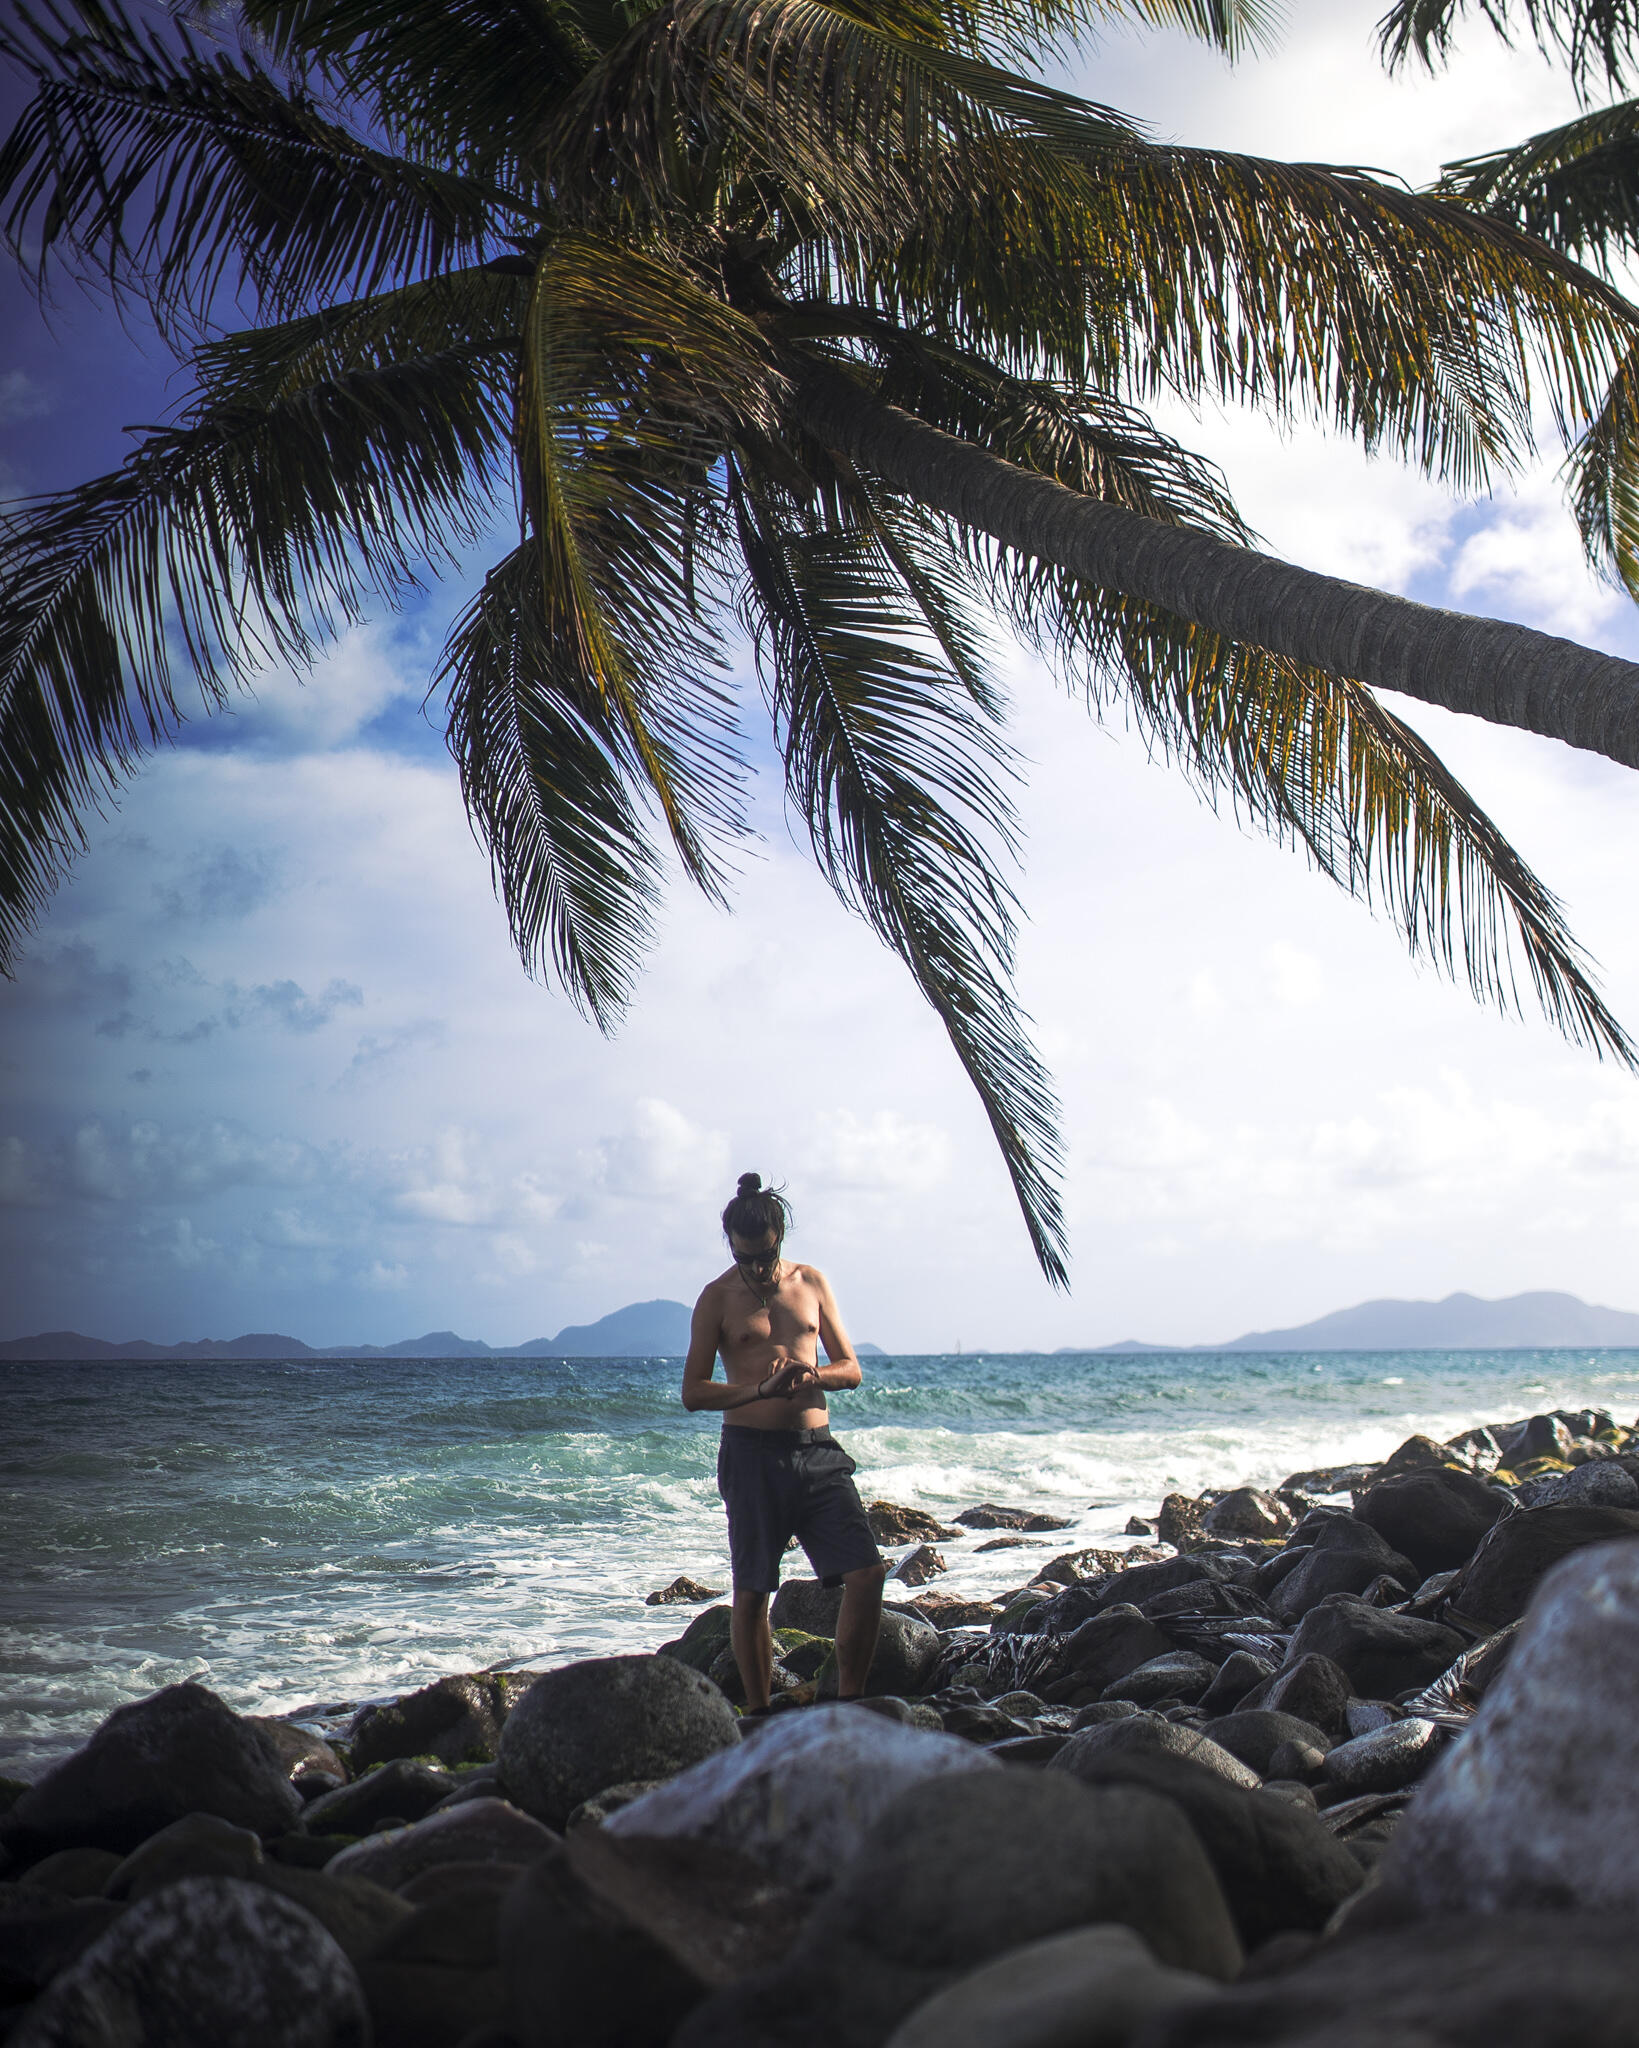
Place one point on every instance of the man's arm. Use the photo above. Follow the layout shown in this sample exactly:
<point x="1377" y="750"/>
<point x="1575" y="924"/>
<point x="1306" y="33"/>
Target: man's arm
<point x="842" y="1372"/>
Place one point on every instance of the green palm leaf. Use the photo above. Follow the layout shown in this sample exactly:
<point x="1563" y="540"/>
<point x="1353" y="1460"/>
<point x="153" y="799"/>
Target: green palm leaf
<point x="1575" y="186"/>
<point x="1596" y="35"/>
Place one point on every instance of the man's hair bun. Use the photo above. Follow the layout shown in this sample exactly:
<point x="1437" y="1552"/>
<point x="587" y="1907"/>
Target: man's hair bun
<point x="756" y="1210"/>
<point x="749" y="1183"/>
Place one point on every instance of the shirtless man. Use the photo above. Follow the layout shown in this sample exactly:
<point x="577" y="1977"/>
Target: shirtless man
<point x="779" y="1469"/>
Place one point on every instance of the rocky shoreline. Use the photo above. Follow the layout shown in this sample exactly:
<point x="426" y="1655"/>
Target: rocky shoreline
<point x="1346" y="1764"/>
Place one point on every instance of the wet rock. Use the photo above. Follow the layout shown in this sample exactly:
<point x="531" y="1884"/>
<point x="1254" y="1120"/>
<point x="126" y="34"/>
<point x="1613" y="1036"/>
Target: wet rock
<point x="1496" y="1585"/>
<point x="800" y="1797"/>
<point x="682" y="1592"/>
<point x="918" y="1566"/>
<point x="1246" y="1512"/>
<point x="950" y="1610"/>
<point x="1529" y="1980"/>
<point x="1312" y="1688"/>
<point x="1601" y="1484"/>
<point x="1139" y="1584"/>
<point x="1543" y="1436"/>
<point x="357" y="1915"/>
<point x="1179" y="1675"/>
<point x="1418" y="1454"/>
<point x="457" y="1719"/>
<point x="199" y="1845"/>
<point x="1181" y="1522"/>
<point x="907" y="1650"/>
<point x="988" y="1516"/>
<point x="1538" y="1803"/>
<point x="1234" y="1679"/>
<point x="1344" y="1557"/>
<point x="1365" y="1717"/>
<point x="75" y="1873"/>
<point x="1100" y="1713"/>
<point x="1138" y="1526"/>
<point x="1383" y="1654"/>
<point x="706" y="1637"/>
<point x="206" y="1961"/>
<point x="606" y="1721"/>
<point x="404" y="1789"/>
<point x="806" y="1604"/>
<point x="1023" y="1612"/>
<point x="1009" y="1543"/>
<point x="1384" y="1760"/>
<point x="892" y="1525"/>
<point x="1277" y="1862"/>
<point x="482" y="1831"/>
<point x="1255" y="1735"/>
<point x="1092" y="1987"/>
<point x="1435" y="1517"/>
<point x="1297" y="1762"/>
<point x="980" y="1721"/>
<point x="1088" y="1751"/>
<point x="1106" y="1648"/>
<point x="597" y="1809"/>
<point x="975" y="1867"/>
<point x="180" y="1751"/>
<point x="306" y="1759"/>
<point x="1328" y="1480"/>
<point x="1080" y="1567"/>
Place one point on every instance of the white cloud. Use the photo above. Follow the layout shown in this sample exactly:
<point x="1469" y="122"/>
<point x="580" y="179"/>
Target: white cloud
<point x="881" y="1154"/>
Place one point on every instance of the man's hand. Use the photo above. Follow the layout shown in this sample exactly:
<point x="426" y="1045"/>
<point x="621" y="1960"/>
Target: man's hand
<point x="784" y="1380"/>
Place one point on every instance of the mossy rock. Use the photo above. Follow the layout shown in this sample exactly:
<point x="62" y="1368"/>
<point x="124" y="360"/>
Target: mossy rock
<point x="1537" y="1468"/>
<point x="703" y="1641"/>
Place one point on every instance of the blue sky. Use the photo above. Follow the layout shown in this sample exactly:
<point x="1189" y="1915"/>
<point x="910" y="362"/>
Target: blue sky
<point x="269" y="1062"/>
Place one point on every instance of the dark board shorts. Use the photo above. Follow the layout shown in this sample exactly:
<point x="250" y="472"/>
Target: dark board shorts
<point x="780" y="1483"/>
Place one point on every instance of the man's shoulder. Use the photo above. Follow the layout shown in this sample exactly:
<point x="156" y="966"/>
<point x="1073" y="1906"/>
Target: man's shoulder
<point x="810" y="1274"/>
<point x="713" y="1289"/>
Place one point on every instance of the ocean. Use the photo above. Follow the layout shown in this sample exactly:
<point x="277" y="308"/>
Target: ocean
<point x="318" y="1531"/>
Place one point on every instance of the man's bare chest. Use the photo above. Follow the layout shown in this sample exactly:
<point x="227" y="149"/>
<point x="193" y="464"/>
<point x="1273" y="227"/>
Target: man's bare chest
<point x="789" y="1318"/>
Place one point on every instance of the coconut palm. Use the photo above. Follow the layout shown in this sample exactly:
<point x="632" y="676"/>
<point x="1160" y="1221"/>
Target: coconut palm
<point x="820" y="318"/>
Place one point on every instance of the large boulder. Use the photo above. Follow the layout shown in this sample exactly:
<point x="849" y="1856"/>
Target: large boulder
<point x="1344" y="1556"/>
<point x="404" y="1790"/>
<point x="178" y="1752"/>
<point x="1106" y="1648"/>
<point x="704" y="1640"/>
<point x="1383" y="1654"/>
<point x="1496" y="1585"/>
<point x="199" y="1845"/>
<point x="959" y="1871"/>
<point x="307" y="1760"/>
<point x="1087" y="1752"/>
<point x="1436" y="1517"/>
<point x="1309" y="1688"/>
<point x="806" y="1604"/>
<point x="458" y="1720"/>
<point x="1538" y="1804"/>
<point x="800" y="1797"/>
<point x="907" y="1650"/>
<point x="1246" y="1512"/>
<point x="1530" y="1980"/>
<point x="1280" y="1867"/>
<point x="1384" y="1759"/>
<point x="358" y="1916"/>
<point x="1255" y="1735"/>
<point x="605" y="1722"/>
<point x="1092" y="1988"/>
<point x="477" y="1831"/>
<point x="203" y="1962"/>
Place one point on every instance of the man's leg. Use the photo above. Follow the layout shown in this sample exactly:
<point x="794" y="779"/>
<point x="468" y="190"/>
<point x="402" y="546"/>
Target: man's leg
<point x="754" y="1646"/>
<point x="857" y="1627"/>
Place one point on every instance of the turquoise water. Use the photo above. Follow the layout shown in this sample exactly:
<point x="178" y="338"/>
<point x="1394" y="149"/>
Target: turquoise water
<point x="340" y="1529"/>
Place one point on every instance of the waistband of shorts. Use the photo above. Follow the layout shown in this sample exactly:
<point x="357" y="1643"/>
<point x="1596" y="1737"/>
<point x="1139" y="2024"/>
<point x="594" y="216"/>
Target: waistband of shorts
<point x="777" y="1439"/>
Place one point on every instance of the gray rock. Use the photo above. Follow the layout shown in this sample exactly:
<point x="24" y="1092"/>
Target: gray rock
<point x="975" y="1866"/>
<point x="1383" y="1654"/>
<point x="404" y="1790"/>
<point x="1141" y="1582"/>
<point x="1107" y="1647"/>
<point x="1435" y="1517"/>
<point x="917" y="1566"/>
<point x="1100" y="1713"/>
<point x="178" y="1752"/>
<point x="1544" y="1436"/>
<point x="1365" y="1717"/>
<point x="907" y="1650"/>
<point x="1297" y="1761"/>
<point x="1179" y="1675"/>
<point x="1538" y="1804"/>
<point x="1527" y="1980"/>
<point x="597" y="1809"/>
<point x="1257" y="1733"/>
<point x="1385" y="1760"/>
<point x="801" y="1797"/>
<point x="306" y="1759"/>
<point x="988" y="1516"/>
<point x="199" y="1845"/>
<point x="1090" y="1988"/>
<point x="206" y="1961"/>
<point x="357" y="1915"/>
<point x="481" y="1831"/>
<point x="1146" y="1735"/>
<point x="1602" y="1483"/>
<point x="456" y="1719"/>
<point x="75" y="1873"/>
<point x="806" y="1604"/>
<point x="1345" y="1556"/>
<point x="1311" y="1688"/>
<point x="1234" y="1679"/>
<point x="1246" y="1512"/>
<point x="1279" y="1866"/>
<point x="607" y="1721"/>
<point x="1496" y="1585"/>
<point x="705" y="1638"/>
<point x="41" y="1935"/>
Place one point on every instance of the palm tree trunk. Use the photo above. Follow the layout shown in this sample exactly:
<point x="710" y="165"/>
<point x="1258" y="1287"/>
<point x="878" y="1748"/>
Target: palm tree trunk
<point x="1511" y="675"/>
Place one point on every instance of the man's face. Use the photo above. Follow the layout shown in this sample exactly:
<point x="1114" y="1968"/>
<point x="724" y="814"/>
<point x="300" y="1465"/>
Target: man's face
<point x="758" y="1258"/>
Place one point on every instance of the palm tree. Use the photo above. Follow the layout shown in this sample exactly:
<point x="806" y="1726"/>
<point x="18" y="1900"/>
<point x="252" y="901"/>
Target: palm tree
<point x="820" y="316"/>
<point x="1576" y="188"/>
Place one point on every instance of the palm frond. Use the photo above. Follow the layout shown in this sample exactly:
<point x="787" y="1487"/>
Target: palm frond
<point x="544" y="771"/>
<point x="244" y="533"/>
<point x="1316" y="760"/>
<point x="1597" y="36"/>
<point x="1575" y="186"/>
<point x="900" y="783"/>
<point x="1603" y="473"/>
<point x="151" y="166"/>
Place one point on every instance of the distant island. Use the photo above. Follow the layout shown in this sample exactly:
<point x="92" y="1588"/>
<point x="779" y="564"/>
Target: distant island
<point x="1462" y="1322"/>
<point x="643" y="1329"/>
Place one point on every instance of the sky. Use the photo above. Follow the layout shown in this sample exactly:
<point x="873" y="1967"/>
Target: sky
<point x="269" y="1062"/>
